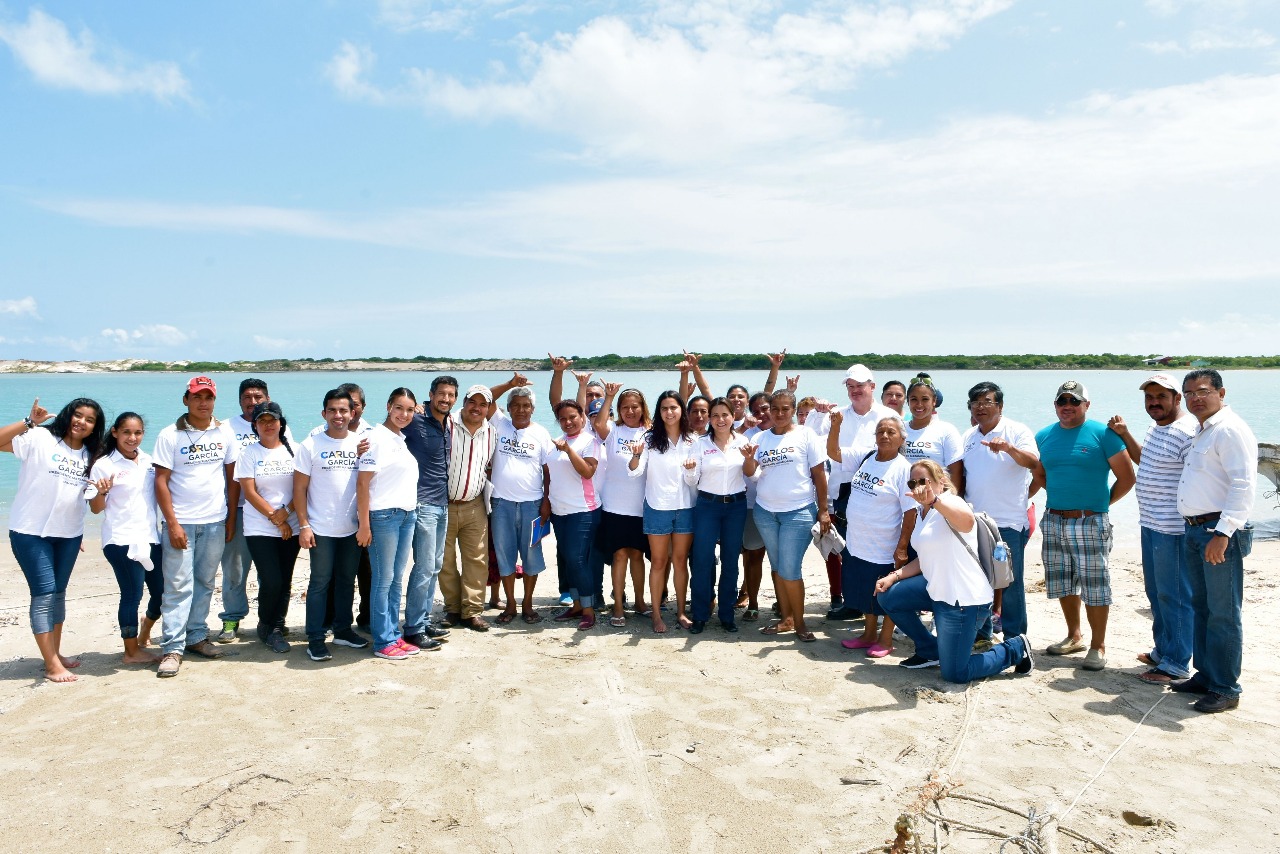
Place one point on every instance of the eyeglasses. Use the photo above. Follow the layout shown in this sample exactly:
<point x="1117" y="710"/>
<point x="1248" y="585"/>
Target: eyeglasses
<point x="1066" y="401"/>
<point x="1200" y="393"/>
<point x="982" y="402"/>
<point x="912" y="484"/>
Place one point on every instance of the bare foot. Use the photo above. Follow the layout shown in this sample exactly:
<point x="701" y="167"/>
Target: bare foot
<point x="141" y="657"/>
<point x="60" y="674"/>
<point x="659" y="627"/>
<point x="641" y="607"/>
<point x="684" y="621"/>
<point x="69" y="663"/>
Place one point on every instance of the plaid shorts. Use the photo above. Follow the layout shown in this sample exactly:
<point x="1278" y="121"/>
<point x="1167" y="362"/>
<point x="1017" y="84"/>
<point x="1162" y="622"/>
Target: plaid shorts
<point x="1075" y="553"/>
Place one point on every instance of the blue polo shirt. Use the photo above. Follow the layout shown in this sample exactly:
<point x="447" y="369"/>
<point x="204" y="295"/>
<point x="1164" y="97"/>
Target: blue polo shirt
<point x="430" y="443"/>
<point x="1076" y="467"/>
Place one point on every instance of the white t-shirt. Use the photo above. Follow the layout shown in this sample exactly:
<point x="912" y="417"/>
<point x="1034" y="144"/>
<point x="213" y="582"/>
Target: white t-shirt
<point x="245" y="437"/>
<point x="570" y="492"/>
<point x="331" y="493"/>
<point x="197" y="460"/>
<point x="937" y="441"/>
<point x="518" y="461"/>
<point x="395" y="479"/>
<point x="364" y="427"/>
<point x="750" y="435"/>
<point x="623" y="494"/>
<point x="857" y="436"/>
<point x="951" y="573"/>
<point x="994" y="483"/>
<point x="130" y="517"/>
<point x="50" y="501"/>
<point x="718" y="472"/>
<point x="878" y="496"/>
<point x="663" y="474"/>
<point x="785" y="477"/>
<point x="272" y="472"/>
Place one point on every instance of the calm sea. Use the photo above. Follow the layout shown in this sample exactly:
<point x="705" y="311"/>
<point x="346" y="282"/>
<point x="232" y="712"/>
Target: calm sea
<point x="1028" y="398"/>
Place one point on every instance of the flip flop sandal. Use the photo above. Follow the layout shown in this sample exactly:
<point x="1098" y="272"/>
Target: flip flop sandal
<point x="535" y="617"/>
<point x="750" y="615"/>
<point x="618" y="622"/>
<point x="505" y="618"/>
<point x="807" y="637"/>
<point x="774" y="630"/>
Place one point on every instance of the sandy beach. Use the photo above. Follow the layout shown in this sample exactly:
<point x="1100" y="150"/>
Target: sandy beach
<point x="542" y="738"/>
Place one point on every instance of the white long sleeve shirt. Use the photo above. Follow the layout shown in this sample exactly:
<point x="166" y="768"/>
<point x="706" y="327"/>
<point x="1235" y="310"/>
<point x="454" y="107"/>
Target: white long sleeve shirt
<point x="1221" y="472"/>
<point x="664" y="484"/>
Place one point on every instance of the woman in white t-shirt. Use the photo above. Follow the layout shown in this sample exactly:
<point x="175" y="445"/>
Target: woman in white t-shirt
<point x="661" y="460"/>
<point x="46" y="521"/>
<point x="265" y="473"/>
<point x="946" y="579"/>
<point x="720" y="516"/>
<point x="791" y="495"/>
<point x="880" y="513"/>
<point x="387" y="505"/>
<point x="928" y="436"/>
<point x="621" y="535"/>
<point x="575" y="510"/>
<point x="753" y="552"/>
<point x="130" y="532"/>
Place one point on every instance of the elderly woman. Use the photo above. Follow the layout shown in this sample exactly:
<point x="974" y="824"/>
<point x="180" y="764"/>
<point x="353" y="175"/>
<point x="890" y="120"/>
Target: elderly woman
<point x="574" y="507"/>
<point x="880" y="517"/>
<point x="948" y="580"/>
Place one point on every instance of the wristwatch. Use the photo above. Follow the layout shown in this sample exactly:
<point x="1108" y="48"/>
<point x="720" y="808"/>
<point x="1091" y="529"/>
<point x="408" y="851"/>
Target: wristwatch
<point x="31" y="425"/>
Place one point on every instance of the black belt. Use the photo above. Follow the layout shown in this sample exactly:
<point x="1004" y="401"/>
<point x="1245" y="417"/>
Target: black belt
<point x="1193" y="521"/>
<point x="1074" y="514"/>
<point x="723" y="499"/>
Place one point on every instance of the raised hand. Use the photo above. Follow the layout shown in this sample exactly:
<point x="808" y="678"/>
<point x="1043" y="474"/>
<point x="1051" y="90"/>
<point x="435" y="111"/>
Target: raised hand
<point x="749" y="450"/>
<point x="776" y="358"/>
<point x="997" y="445"/>
<point x="1117" y="425"/>
<point x="691" y="359"/>
<point x="362" y="447"/>
<point x="824" y="406"/>
<point x="103" y="485"/>
<point x="582" y="376"/>
<point x="836" y="417"/>
<point x="38" y="413"/>
<point x="559" y="363"/>
<point x="561" y="445"/>
<point x="636" y="448"/>
<point x="611" y="389"/>
<point x="924" y="494"/>
<point x="793" y="383"/>
<point x="519" y="380"/>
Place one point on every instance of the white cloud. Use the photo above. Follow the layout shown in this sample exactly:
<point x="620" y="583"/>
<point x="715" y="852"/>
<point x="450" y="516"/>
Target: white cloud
<point x="1203" y="41"/>
<point x="347" y="71"/>
<point x="57" y="58"/>
<point x="20" y="307"/>
<point x="279" y="344"/>
<point x="154" y="335"/>
<point x="447" y="15"/>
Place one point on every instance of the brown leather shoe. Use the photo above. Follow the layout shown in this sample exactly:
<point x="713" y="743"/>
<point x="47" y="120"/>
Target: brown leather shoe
<point x="476" y="624"/>
<point x="204" y="649"/>
<point x="169" y="665"/>
<point x="451" y="619"/>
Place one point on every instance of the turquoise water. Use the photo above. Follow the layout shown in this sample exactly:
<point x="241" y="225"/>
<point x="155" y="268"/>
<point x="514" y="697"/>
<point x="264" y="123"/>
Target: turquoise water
<point x="1028" y="398"/>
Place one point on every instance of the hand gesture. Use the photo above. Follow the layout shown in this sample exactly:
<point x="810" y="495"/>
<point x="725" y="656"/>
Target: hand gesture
<point x="776" y="358"/>
<point x="611" y="390"/>
<point x="582" y="376"/>
<point x="793" y="383"/>
<point x="690" y="360"/>
<point x="836" y="417"/>
<point x="561" y="444"/>
<point x="104" y="484"/>
<point x="362" y="447"/>
<point x="420" y="409"/>
<point x="38" y="413"/>
<point x="824" y="406"/>
<point x="636" y="448"/>
<point x="749" y="450"/>
<point x="1117" y="425"/>
<point x="690" y="463"/>
<point x="749" y="421"/>
<point x="997" y="445"/>
<point x="519" y="380"/>
<point x="559" y="364"/>
<point x="924" y="494"/>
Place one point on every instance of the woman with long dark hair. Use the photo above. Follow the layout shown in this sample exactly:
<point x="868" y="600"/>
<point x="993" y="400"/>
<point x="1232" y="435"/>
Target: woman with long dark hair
<point x="46" y="522"/>
<point x="621" y="534"/>
<point x="265" y="473"/>
<point x="126" y="496"/>
<point x="661" y="459"/>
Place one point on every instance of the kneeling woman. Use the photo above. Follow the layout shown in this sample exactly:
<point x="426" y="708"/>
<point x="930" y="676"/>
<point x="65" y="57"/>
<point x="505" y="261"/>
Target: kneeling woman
<point x="946" y="579"/>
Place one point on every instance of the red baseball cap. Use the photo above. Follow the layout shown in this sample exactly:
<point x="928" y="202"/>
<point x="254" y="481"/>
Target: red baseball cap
<point x="202" y="384"/>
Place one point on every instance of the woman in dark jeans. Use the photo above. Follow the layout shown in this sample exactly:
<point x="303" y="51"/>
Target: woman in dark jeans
<point x="265" y="473"/>
<point x="720" y="516"/>
<point x="125" y="483"/>
<point x="574" y="507"/>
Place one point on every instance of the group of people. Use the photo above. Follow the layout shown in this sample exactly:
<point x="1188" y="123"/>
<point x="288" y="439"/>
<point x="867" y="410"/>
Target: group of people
<point x="698" y="484"/>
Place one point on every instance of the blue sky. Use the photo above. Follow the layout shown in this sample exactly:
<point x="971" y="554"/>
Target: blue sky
<point x="488" y="178"/>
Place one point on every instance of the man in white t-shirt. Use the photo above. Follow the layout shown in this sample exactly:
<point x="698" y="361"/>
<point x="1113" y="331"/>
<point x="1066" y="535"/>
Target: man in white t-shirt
<point x="857" y="436"/>
<point x="194" y="462"/>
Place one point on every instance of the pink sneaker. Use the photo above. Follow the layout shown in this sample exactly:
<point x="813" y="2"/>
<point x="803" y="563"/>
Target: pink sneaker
<point x="878" y="651"/>
<point x="856" y="643"/>
<point x="391" y="652"/>
<point x="406" y="647"/>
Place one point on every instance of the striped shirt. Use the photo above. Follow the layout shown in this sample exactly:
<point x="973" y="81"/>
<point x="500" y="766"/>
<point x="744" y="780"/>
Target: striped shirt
<point x="469" y="460"/>
<point x="1164" y="451"/>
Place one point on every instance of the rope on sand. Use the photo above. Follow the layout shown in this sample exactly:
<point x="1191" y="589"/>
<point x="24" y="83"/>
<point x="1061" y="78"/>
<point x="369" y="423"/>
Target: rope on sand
<point x="1113" y="754"/>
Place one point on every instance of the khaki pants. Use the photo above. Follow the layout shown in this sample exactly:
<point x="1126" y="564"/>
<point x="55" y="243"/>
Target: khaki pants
<point x="467" y="535"/>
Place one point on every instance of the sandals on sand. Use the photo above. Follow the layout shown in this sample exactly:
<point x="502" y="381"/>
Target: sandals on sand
<point x="750" y="615"/>
<point x="618" y="621"/>
<point x="505" y="617"/>
<point x="532" y="618"/>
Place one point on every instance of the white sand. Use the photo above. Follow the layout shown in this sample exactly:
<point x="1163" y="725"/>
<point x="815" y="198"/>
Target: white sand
<point x="543" y="738"/>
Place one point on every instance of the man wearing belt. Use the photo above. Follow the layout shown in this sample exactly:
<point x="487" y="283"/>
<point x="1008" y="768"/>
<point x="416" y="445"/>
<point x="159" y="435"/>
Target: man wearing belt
<point x="857" y="431"/>
<point x="1160" y="459"/>
<point x="1076" y="457"/>
<point x="467" y="532"/>
<point x="1215" y="496"/>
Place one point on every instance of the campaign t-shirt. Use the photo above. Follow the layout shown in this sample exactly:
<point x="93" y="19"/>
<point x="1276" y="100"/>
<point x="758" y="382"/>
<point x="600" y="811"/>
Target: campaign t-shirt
<point x="246" y="437"/>
<point x="517" y="463"/>
<point x="570" y="492"/>
<point x="993" y="482"/>
<point x="272" y="472"/>
<point x="623" y="494"/>
<point x="330" y="464"/>
<point x="50" y="501"/>
<point x="130" y="516"/>
<point x="1164" y="452"/>
<point x="878" y="496"/>
<point x="395" y="479"/>
<point x="857" y="437"/>
<point x="937" y="441"/>
<point x="784" y="478"/>
<point x="364" y="427"/>
<point x="197" y="460"/>
<point x="1076" y="465"/>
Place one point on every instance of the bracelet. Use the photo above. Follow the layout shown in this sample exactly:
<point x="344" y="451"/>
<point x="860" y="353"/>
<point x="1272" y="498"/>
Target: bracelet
<point x="31" y="425"/>
<point x="303" y="526"/>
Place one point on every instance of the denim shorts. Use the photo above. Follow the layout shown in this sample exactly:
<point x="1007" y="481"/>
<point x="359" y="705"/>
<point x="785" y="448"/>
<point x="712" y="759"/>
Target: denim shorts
<point x="659" y="523"/>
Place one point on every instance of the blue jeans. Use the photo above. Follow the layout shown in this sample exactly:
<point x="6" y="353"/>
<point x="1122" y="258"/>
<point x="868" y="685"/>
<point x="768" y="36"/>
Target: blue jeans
<point x="189" y="577"/>
<point x="575" y="532"/>
<point x="235" y="574"/>
<point x="1164" y="574"/>
<point x="389" y="550"/>
<point x="1217" y="598"/>
<point x="956" y="626"/>
<point x="787" y="537"/>
<point x="131" y="578"/>
<point x="333" y="560"/>
<point x="510" y="527"/>
<point x="428" y="556"/>
<point x="47" y="563"/>
<point x="714" y="521"/>
<point x="1013" y="603"/>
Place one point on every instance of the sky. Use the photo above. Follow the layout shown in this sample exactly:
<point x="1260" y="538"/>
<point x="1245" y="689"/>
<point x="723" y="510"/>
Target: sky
<point x="486" y="178"/>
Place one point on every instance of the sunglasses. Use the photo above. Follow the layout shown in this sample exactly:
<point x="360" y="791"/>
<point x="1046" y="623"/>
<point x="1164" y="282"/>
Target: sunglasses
<point x="1066" y="401"/>
<point x="912" y="484"/>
